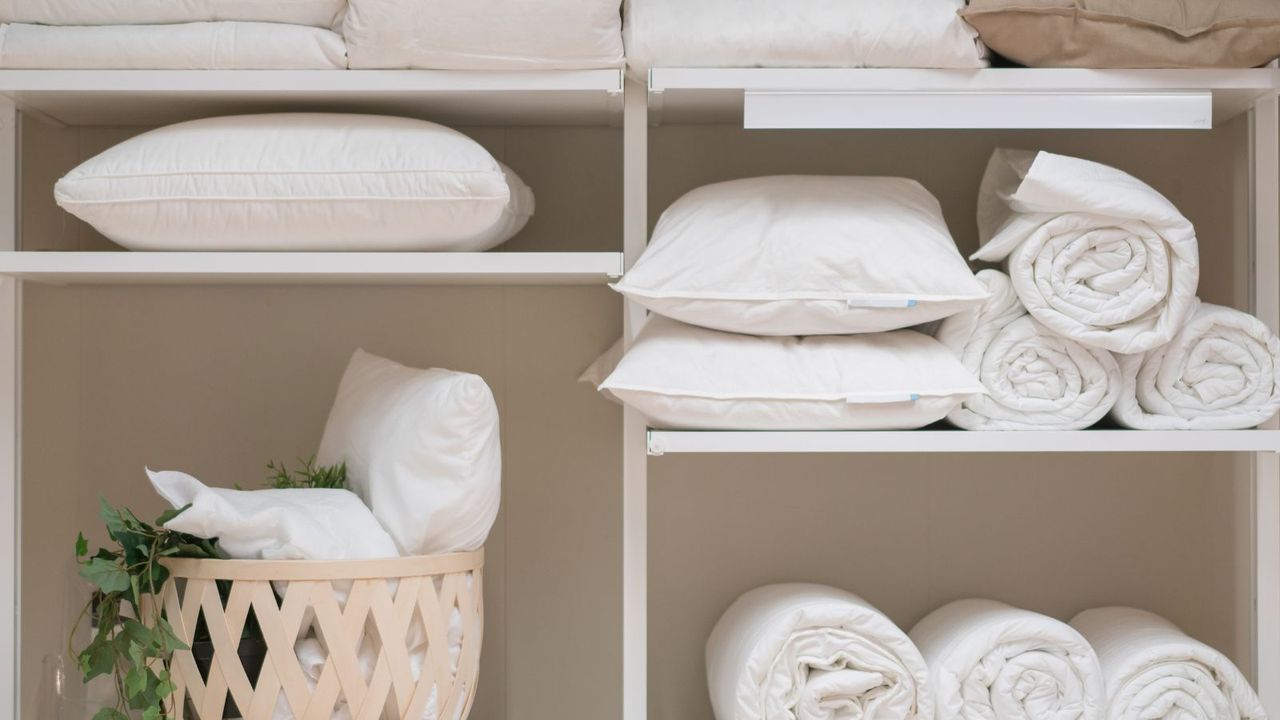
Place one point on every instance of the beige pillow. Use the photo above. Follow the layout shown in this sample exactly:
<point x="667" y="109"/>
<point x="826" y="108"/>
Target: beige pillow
<point x="1130" y="33"/>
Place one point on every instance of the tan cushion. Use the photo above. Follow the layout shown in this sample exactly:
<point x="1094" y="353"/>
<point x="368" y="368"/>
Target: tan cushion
<point x="1130" y="33"/>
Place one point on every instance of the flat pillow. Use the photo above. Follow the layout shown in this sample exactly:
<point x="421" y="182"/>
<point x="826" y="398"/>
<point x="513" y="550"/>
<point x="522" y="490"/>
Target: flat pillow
<point x="295" y="181"/>
<point x="804" y="255"/>
<point x="1130" y="33"/>
<point x="421" y="448"/>
<point x="684" y="377"/>
<point x="320" y="13"/>
<point x="484" y="34"/>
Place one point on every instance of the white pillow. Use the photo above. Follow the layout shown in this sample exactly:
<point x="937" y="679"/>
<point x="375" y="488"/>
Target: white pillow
<point x="684" y="377"/>
<point x="320" y="13"/>
<point x="804" y="255"/>
<point x="299" y="181"/>
<point x="295" y="524"/>
<point x="484" y="34"/>
<point x="422" y="449"/>
<point x="515" y="215"/>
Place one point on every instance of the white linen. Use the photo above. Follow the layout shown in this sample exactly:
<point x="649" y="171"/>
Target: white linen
<point x="1035" y="379"/>
<point x="189" y="46"/>
<point x="684" y="377"/>
<point x="1095" y="254"/>
<point x="422" y="449"/>
<point x="1220" y="372"/>
<point x="1154" y="671"/>
<point x="292" y="181"/>
<point x="799" y="33"/>
<point x="803" y="255"/>
<point x="319" y="13"/>
<point x="990" y="660"/>
<point x="484" y="34"/>
<point x="811" y="652"/>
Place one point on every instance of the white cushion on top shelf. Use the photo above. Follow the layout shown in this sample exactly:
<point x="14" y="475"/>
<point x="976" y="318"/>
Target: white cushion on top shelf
<point x="320" y="13"/>
<point x="296" y="181"/>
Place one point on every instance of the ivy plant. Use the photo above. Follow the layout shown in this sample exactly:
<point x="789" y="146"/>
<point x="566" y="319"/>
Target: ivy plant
<point x="309" y="475"/>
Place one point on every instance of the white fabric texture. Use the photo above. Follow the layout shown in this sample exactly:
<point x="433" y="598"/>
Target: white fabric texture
<point x="1095" y="254"/>
<point x="515" y="215"/>
<point x="292" y="181"/>
<point x="1153" y="671"/>
<point x="484" y="34"/>
<point x="800" y="33"/>
<point x="990" y="660"/>
<point x="1035" y="379"/>
<point x="189" y="46"/>
<point x="803" y="255"/>
<point x="811" y="652"/>
<point x="319" y="13"/>
<point x="421" y="448"/>
<point x="293" y="524"/>
<point x="684" y="377"/>
<point x="1220" y="372"/>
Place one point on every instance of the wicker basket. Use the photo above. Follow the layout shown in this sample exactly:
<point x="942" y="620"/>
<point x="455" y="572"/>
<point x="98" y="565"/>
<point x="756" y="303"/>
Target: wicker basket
<point x="421" y="601"/>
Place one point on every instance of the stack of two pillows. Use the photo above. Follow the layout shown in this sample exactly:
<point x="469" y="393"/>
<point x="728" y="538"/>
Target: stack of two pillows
<point x="780" y="303"/>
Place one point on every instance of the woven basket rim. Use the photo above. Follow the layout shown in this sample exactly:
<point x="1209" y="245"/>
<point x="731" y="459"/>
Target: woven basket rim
<point x="412" y="566"/>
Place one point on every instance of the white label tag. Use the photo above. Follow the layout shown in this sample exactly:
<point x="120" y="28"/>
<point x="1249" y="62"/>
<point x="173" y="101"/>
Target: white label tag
<point x="880" y="398"/>
<point x="880" y="301"/>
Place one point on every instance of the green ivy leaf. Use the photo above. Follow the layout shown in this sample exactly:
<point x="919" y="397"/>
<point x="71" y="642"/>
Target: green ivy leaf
<point x="135" y="681"/>
<point x="82" y="546"/>
<point x="108" y="713"/>
<point x="110" y="517"/>
<point x="151" y="713"/>
<point x="97" y="659"/>
<point x="168" y="515"/>
<point x="105" y="575"/>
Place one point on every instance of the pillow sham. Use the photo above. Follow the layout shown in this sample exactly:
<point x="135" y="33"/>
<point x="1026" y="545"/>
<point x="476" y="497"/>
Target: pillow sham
<point x="421" y="448"/>
<point x="320" y="13"/>
<point x="1129" y="33"/>
<point x="804" y="255"/>
<point x="294" y="181"/>
<point x="684" y="377"/>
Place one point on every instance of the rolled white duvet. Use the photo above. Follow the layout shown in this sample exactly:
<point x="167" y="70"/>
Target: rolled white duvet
<point x="1220" y="372"/>
<point x="1154" y="671"/>
<point x="1095" y="254"/>
<point x="811" y="652"/>
<point x="989" y="660"/>
<point x="1035" y="378"/>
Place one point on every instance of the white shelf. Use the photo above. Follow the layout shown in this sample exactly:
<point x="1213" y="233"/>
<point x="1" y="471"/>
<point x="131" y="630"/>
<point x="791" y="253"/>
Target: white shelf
<point x="662" y="442"/>
<point x="531" y="268"/>
<point x="157" y="97"/>
<point x="867" y="97"/>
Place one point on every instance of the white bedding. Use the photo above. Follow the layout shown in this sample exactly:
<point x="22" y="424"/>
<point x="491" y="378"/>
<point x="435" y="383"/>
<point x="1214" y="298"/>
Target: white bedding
<point x="811" y="652"/>
<point x="320" y="13"/>
<point x="989" y="660"/>
<point x="190" y="46"/>
<point x="1094" y="253"/>
<point x="1220" y="372"/>
<point x="799" y="33"/>
<point x="1035" y="379"/>
<point x="1154" y="671"/>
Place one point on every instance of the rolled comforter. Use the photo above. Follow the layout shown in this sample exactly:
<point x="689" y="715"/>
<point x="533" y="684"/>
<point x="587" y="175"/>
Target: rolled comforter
<point x="1095" y="254"/>
<point x="989" y="660"/>
<point x="1153" y="671"/>
<point x="1035" y="379"/>
<point x="1220" y="372"/>
<point x="811" y="652"/>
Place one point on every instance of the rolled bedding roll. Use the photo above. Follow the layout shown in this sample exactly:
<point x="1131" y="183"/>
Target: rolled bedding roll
<point x="1094" y="253"/>
<point x="812" y="652"/>
<point x="1220" y="372"/>
<point x="1154" y="671"/>
<point x="1035" y="379"/>
<point x="989" y="660"/>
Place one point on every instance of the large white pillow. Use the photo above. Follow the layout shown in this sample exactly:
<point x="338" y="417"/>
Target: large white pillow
<point x="295" y="181"/>
<point x="684" y="377"/>
<point x="484" y="34"/>
<point x="320" y="13"/>
<point x="422" y="449"/>
<point x="804" y="255"/>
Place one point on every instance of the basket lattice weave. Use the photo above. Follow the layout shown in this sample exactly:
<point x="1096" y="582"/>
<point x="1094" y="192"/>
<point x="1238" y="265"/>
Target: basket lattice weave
<point x="388" y="603"/>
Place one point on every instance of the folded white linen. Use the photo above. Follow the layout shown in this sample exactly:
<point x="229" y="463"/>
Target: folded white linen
<point x="811" y="652"/>
<point x="1035" y="379"/>
<point x="190" y="46"/>
<point x="1094" y="253"/>
<point x="1220" y="372"/>
<point x="989" y="660"/>
<point x="320" y="13"/>
<point x="1154" y="671"/>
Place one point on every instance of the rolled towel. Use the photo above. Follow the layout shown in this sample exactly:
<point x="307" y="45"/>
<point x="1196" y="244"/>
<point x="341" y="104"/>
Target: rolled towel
<point x="989" y="660"/>
<point x="1035" y="378"/>
<point x="811" y="652"/>
<point x="1152" y="670"/>
<point x="1220" y="372"/>
<point x="1094" y="253"/>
